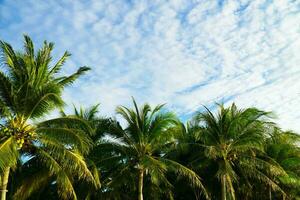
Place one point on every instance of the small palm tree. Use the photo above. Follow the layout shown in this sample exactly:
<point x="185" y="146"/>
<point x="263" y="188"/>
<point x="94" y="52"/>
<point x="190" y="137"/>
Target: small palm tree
<point x="142" y="144"/>
<point x="232" y="140"/>
<point x="31" y="88"/>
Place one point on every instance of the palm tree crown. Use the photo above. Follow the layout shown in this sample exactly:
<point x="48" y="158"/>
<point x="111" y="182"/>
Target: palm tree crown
<point x="233" y="141"/>
<point x="30" y="88"/>
<point x="144" y="142"/>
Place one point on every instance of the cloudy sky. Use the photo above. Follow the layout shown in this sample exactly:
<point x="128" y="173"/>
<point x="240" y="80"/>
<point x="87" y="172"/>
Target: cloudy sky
<point x="183" y="53"/>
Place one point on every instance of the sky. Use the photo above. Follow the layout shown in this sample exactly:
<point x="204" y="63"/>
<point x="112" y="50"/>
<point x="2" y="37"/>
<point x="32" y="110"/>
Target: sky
<point x="181" y="52"/>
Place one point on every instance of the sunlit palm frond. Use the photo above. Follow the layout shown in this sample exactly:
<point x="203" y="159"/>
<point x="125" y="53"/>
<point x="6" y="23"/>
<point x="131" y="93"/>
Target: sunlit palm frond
<point x="68" y="136"/>
<point x="67" y="121"/>
<point x="9" y="154"/>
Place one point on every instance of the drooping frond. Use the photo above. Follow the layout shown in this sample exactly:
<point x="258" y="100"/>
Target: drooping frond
<point x="68" y="136"/>
<point x="65" y="188"/>
<point x="68" y="121"/>
<point x="8" y="152"/>
<point x="68" y="158"/>
<point x="32" y="183"/>
<point x="183" y="171"/>
<point x="42" y="103"/>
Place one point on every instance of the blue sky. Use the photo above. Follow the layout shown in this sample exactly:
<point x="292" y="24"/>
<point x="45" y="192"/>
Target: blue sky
<point x="183" y="53"/>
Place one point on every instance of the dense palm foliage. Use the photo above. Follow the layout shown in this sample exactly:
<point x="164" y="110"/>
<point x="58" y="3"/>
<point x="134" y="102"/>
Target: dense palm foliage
<point x="227" y="154"/>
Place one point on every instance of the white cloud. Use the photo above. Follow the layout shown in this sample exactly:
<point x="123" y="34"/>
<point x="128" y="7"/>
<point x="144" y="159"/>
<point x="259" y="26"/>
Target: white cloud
<point x="185" y="53"/>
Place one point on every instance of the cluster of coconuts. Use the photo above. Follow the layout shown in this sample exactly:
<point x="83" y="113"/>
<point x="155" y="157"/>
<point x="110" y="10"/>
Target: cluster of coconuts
<point x="5" y="131"/>
<point x="22" y="135"/>
<point x="20" y="142"/>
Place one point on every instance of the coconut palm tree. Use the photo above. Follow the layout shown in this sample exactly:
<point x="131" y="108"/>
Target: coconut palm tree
<point x="231" y="142"/>
<point x="283" y="147"/>
<point x="100" y="126"/>
<point x="142" y="144"/>
<point x="30" y="88"/>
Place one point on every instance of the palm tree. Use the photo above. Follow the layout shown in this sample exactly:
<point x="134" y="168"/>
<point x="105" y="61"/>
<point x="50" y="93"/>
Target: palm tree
<point x="283" y="147"/>
<point x="31" y="88"/>
<point x="232" y="143"/>
<point x="99" y="125"/>
<point x="142" y="144"/>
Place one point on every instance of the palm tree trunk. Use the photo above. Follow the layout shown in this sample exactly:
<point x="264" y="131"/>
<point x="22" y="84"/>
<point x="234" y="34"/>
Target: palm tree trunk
<point x="223" y="182"/>
<point x="4" y="183"/>
<point x="140" y="186"/>
<point x="270" y="193"/>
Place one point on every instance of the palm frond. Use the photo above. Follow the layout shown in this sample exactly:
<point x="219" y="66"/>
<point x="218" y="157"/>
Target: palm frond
<point x="183" y="171"/>
<point x="68" y="121"/>
<point x="73" y="137"/>
<point x="31" y="184"/>
<point x="67" y="80"/>
<point x="57" y="67"/>
<point x="8" y="152"/>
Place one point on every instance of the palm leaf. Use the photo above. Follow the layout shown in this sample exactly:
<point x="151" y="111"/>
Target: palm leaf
<point x="8" y="152"/>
